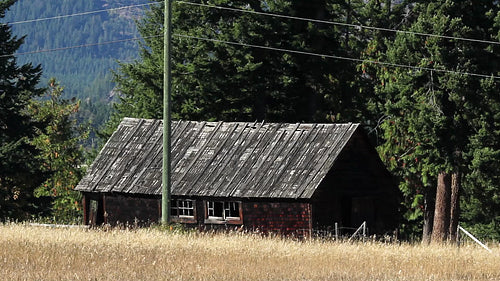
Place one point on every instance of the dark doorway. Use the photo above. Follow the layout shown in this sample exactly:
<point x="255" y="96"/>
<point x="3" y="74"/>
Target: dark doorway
<point x="362" y="209"/>
<point x="96" y="211"/>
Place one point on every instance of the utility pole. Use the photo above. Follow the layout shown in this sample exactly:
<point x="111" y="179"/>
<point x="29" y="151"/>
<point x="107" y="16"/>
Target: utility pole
<point x="166" y="169"/>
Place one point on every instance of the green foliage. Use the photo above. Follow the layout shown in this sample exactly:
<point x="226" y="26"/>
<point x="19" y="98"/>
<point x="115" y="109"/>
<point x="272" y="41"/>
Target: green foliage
<point x="62" y="153"/>
<point x="426" y="122"/>
<point x="432" y="118"/>
<point x="84" y="71"/>
<point x="213" y="80"/>
<point x="20" y="169"/>
<point x="481" y="194"/>
<point x="78" y="68"/>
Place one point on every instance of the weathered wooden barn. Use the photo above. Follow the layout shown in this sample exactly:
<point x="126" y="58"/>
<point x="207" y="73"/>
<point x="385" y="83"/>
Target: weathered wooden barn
<point x="282" y="178"/>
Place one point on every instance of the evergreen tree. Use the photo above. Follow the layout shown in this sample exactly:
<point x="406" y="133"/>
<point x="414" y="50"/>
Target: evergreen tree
<point x="214" y="80"/>
<point x="62" y="154"/>
<point x="481" y="193"/>
<point x="20" y="168"/>
<point x="432" y="116"/>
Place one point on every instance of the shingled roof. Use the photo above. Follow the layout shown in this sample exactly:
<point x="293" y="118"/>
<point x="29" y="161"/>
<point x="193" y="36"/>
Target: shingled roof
<point x="221" y="159"/>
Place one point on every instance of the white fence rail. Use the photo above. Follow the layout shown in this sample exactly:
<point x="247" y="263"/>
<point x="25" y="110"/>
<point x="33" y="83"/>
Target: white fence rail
<point x="362" y="229"/>
<point x="473" y="238"/>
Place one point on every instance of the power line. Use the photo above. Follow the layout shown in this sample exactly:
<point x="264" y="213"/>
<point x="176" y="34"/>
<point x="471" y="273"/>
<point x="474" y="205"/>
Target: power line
<point x="79" y="46"/>
<point x="80" y="14"/>
<point x="261" y="47"/>
<point x="339" y="23"/>
<point x="337" y="57"/>
<point x="270" y="15"/>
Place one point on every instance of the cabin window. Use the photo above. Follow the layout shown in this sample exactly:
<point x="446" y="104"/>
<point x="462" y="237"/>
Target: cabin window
<point x="182" y="208"/>
<point x="225" y="212"/>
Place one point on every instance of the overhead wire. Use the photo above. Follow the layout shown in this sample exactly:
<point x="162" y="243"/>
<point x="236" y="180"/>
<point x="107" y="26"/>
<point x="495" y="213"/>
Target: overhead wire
<point x="80" y="14"/>
<point x="339" y="23"/>
<point x="259" y="46"/>
<point x="265" y="48"/>
<point x="267" y="14"/>
<point x="80" y="46"/>
<point x="338" y="57"/>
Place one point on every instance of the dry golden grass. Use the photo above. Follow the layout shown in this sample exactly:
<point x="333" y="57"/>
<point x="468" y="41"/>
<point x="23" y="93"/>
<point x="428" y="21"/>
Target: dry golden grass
<point x="34" y="253"/>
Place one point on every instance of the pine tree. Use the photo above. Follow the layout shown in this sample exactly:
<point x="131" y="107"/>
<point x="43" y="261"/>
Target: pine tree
<point x="19" y="166"/>
<point x="61" y="152"/>
<point x="214" y="80"/>
<point x="480" y="203"/>
<point x="431" y="116"/>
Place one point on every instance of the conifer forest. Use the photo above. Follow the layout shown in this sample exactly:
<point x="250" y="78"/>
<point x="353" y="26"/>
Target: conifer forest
<point x="423" y="77"/>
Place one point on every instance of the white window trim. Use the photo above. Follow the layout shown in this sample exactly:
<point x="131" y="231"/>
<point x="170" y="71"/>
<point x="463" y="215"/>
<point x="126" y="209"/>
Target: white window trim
<point x="226" y="205"/>
<point x="183" y="207"/>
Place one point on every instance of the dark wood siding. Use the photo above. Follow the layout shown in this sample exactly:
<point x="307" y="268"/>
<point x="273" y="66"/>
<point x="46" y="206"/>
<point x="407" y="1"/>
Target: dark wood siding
<point x="357" y="189"/>
<point x="286" y="218"/>
<point x="131" y="209"/>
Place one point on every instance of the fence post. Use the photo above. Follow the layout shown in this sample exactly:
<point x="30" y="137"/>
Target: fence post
<point x="336" y="231"/>
<point x="364" y="231"/>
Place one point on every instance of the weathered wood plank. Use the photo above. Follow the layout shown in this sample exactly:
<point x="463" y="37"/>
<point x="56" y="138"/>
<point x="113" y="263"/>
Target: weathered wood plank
<point x="225" y="186"/>
<point x="243" y="184"/>
<point x="196" y="161"/>
<point x="306" y="164"/>
<point x="137" y="159"/>
<point x="191" y="153"/>
<point x="215" y="142"/>
<point x="218" y="162"/>
<point x="104" y="173"/>
<point x="218" y="172"/>
<point x="148" y="158"/>
<point x="220" y="159"/>
<point x="275" y="162"/>
<point x="286" y="168"/>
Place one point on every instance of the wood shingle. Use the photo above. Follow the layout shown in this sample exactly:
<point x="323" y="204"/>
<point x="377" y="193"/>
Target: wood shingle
<point x="219" y="159"/>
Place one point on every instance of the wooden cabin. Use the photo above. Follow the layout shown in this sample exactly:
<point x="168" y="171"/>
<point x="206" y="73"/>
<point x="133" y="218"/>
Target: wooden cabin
<point x="267" y="177"/>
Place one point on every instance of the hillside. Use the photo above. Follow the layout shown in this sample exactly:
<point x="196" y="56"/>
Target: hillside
<point x="85" y="71"/>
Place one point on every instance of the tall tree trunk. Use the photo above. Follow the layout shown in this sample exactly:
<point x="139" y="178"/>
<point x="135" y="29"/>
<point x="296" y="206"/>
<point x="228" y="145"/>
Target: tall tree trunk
<point x="441" y="225"/>
<point x="456" y="184"/>
<point x="429" y="196"/>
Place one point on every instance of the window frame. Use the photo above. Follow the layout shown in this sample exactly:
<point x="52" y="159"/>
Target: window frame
<point x="217" y="214"/>
<point x="183" y="205"/>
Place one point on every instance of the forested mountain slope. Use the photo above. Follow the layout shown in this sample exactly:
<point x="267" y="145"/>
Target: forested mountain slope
<point x="84" y="71"/>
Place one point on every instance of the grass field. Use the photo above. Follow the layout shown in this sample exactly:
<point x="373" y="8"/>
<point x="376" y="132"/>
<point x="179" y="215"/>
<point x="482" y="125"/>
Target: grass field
<point x="37" y="253"/>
